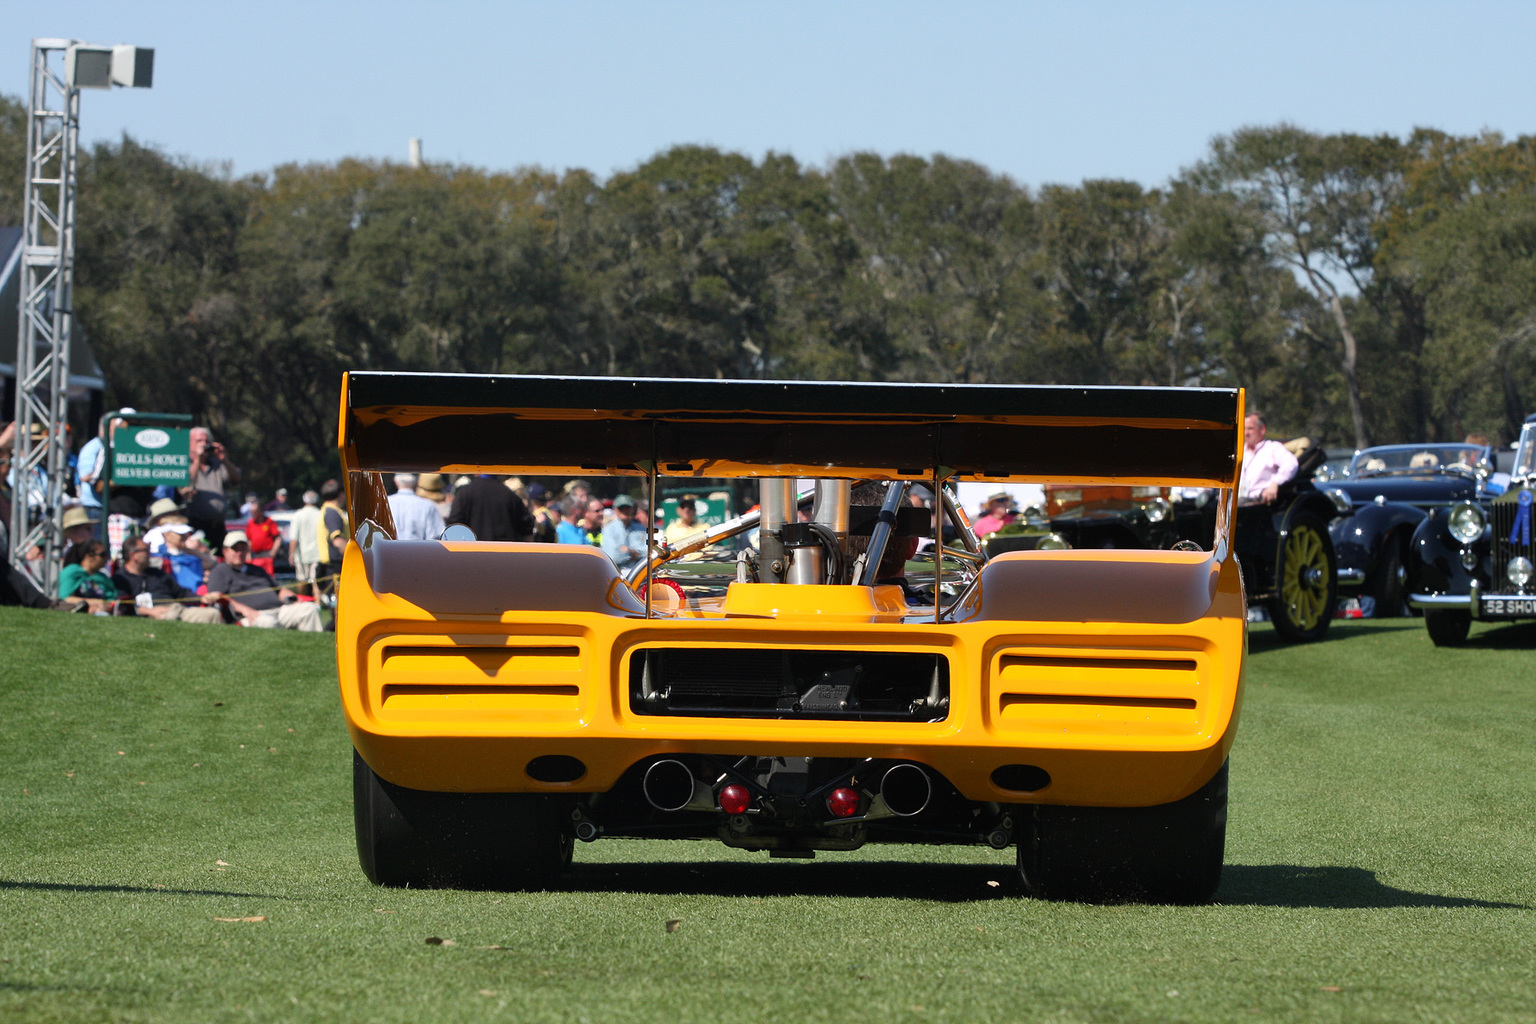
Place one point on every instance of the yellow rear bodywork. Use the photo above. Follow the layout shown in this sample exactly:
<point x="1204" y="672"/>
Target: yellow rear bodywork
<point x="1117" y="673"/>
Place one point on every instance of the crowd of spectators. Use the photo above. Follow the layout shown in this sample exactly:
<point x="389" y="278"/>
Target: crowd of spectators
<point x="211" y="552"/>
<point x="168" y="552"/>
<point x="503" y="508"/>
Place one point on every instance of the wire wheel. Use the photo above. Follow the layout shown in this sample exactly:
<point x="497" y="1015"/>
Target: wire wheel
<point x="1306" y="582"/>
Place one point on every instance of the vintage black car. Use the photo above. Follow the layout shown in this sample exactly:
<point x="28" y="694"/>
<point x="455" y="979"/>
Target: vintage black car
<point x="1382" y="496"/>
<point x="1287" y="558"/>
<point x="1110" y="515"/>
<point x="1289" y="566"/>
<point x="1090" y="516"/>
<point x="1473" y="560"/>
<point x="1335" y="465"/>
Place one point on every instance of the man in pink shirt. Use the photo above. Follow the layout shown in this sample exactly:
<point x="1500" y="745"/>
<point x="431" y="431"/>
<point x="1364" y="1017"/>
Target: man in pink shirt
<point x="1266" y="464"/>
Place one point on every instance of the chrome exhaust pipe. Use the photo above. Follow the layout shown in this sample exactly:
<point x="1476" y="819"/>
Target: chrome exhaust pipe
<point x="670" y="786"/>
<point x="905" y="790"/>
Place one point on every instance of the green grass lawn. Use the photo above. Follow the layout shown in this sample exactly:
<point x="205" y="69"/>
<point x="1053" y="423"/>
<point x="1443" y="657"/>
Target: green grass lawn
<point x="1380" y="866"/>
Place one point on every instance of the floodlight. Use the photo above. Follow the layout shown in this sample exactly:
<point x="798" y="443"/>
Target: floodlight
<point x="133" y="66"/>
<point x="101" y="67"/>
<point x="88" y="67"/>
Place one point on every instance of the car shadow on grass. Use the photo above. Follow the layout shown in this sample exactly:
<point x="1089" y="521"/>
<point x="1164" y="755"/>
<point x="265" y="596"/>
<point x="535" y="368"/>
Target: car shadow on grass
<point x="1266" y="640"/>
<point x="1261" y="885"/>
<point x="1343" y="888"/>
<point x="1514" y="636"/>
<point x="942" y="883"/>
<point x="153" y="890"/>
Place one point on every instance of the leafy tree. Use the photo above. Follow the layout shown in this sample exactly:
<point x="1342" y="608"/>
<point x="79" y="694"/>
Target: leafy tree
<point x="156" y="275"/>
<point x="1106" y="245"/>
<point x="1321" y="199"/>
<point x="1465" y="235"/>
<point x="1241" y="311"/>
<point x="13" y="157"/>
<point x="1359" y="287"/>
<point x="690" y="260"/>
<point x="943" y="284"/>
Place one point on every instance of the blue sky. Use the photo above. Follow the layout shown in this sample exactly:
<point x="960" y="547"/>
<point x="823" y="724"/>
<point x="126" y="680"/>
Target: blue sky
<point x="1044" y="92"/>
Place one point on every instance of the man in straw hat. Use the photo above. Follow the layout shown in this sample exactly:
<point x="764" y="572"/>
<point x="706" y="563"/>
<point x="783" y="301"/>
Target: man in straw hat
<point x="171" y="539"/>
<point x="434" y="488"/>
<point x="77" y="525"/>
<point x="999" y="514"/>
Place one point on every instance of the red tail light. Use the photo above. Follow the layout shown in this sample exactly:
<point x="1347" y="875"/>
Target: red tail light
<point x="843" y="803"/>
<point x="735" y="799"/>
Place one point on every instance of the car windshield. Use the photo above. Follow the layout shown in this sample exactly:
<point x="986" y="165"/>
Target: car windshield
<point x="1525" y="454"/>
<point x="1335" y="466"/>
<point x="1414" y="458"/>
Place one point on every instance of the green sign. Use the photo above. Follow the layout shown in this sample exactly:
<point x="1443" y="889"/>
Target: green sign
<point x="713" y="508"/>
<point x="148" y="456"/>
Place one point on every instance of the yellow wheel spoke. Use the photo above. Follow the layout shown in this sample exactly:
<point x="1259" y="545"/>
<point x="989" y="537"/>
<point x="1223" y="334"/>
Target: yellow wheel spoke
<point x="1304" y="556"/>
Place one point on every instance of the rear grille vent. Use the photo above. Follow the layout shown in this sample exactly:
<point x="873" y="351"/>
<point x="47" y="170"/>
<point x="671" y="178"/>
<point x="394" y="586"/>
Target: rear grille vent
<point x="1010" y="699"/>
<point x="1056" y="690"/>
<point x="796" y="684"/>
<point x="429" y="678"/>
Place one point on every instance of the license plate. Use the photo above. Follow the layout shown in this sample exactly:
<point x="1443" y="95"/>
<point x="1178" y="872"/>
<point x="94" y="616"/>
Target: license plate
<point x="1508" y="607"/>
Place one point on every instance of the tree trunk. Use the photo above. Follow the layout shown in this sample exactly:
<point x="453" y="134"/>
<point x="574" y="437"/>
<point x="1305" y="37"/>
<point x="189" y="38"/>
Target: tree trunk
<point x="1351" y="354"/>
<point x="1174" y="334"/>
<point x="1326" y="290"/>
<point x="1514" y="402"/>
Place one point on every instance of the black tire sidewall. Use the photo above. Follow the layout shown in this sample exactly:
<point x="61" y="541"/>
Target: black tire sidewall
<point x="1387" y="587"/>
<point x="411" y="837"/>
<point x="1447" y="627"/>
<point x="1170" y="853"/>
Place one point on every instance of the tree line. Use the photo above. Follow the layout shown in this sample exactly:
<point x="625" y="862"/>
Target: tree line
<point x="1365" y="289"/>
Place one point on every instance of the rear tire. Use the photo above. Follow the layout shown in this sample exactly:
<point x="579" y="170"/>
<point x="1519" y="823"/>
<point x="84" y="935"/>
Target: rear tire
<point x="410" y="837"/>
<point x="1448" y="627"/>
<point x="1389" y="585"/>
<point x="1171" y="853"/>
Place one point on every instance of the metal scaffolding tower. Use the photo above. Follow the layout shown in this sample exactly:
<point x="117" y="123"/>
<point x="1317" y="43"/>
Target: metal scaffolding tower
<point x="60" y="69"/>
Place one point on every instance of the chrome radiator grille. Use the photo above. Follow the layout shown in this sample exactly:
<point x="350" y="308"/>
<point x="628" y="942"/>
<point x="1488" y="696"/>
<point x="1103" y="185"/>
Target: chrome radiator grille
<point x="1501" y="515"/>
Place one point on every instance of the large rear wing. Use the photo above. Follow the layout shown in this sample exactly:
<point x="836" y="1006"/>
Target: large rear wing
<point x="472" y="423"/>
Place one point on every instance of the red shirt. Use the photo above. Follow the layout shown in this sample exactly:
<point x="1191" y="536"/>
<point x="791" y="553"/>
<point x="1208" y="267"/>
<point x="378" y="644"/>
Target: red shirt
<point x="263" y="536"/>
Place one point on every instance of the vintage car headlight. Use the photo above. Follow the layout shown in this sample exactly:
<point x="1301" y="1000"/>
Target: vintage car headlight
<point x="1157" y="510"/>
<point x="1466" y="522"/>
<point x="1053" y="542"/>
<point x="1340" y="499"/>
<point x="1519" y="571"/>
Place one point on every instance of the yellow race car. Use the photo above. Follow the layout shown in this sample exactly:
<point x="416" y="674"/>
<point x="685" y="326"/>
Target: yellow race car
<point x="826" y="685"/>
